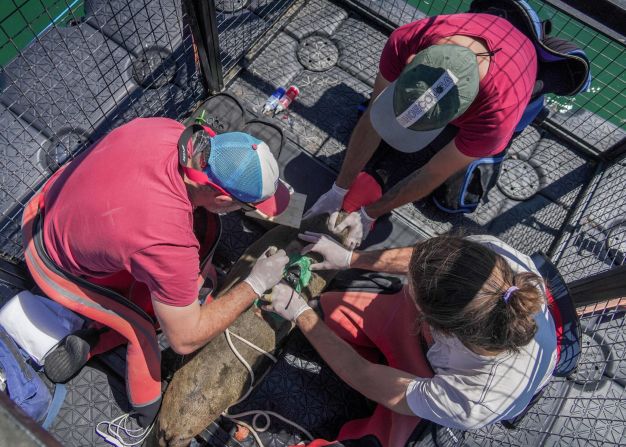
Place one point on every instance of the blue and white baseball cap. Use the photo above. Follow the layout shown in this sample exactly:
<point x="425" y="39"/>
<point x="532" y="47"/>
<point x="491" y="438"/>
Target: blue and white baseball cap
<point x="243" y="167"/>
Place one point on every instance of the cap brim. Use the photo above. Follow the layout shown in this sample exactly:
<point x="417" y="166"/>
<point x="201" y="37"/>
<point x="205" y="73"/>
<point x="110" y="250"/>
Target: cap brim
<point x="383" y="119"/>
<point x="276" y="204"/>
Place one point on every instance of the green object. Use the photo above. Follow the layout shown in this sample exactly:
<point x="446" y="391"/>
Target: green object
<point x="297" y="274"/>
<point x="298" y="271"/>
<point x="201" y="119"/>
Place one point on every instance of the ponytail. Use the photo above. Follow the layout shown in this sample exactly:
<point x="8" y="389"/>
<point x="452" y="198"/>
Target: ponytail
<point x="524" y="301"/>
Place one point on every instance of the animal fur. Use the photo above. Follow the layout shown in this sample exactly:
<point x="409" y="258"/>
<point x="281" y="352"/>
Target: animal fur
<point x="214" y="379"/>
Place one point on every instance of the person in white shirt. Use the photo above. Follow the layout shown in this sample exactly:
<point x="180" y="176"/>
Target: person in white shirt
<point x="467" y="342"/>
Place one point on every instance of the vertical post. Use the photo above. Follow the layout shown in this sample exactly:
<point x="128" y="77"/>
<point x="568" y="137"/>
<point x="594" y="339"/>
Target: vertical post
<point x="205" y="35"/>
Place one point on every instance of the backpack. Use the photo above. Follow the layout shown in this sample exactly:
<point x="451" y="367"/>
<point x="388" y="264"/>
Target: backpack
<point x="23" y="385"/>
<point x="563" y="69"/>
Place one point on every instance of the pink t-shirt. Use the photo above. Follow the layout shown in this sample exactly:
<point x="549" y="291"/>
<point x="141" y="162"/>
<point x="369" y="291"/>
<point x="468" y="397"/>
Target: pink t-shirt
<point x="488" y="124"/>
<point x="123" y="206"/>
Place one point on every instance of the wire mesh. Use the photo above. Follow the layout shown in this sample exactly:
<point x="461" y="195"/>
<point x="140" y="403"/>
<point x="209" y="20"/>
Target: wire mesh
<point x="240" y="23"/>
<point x="595" y="239"/>
<point x="70" y="72"/>
<point x="598" y="116"/>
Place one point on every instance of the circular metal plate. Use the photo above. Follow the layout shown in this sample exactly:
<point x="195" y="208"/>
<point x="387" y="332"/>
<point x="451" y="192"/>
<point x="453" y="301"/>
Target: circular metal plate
<point x="154" y="68"/>
<point x="60" y="149"/>
<point x="230" y="5"/>
<point x="317" y="53"/>
<point x="518" y="180"/>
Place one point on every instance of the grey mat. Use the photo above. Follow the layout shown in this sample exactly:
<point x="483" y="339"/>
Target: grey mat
<point x="138" y="24"/>
<point x="147" y="28"/>
<point x="597" y="131"/>
<point x="585" y="248"/>
<point x="238" y="31"/>
<point x="302" y="387"/>
<point x="75" y="90"/>
<point x="92" y="396"/>
<point x="20" y="161"/>
<point x="360" y="46"/>
<point x="316" y="16"/>
<point x="269" y="10"/>
<point x="275" y="66"/>
<point x="397" y="12"/>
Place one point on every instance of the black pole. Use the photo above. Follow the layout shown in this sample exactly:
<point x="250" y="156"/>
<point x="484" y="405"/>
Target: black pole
<point x="205" y="35"/>
<point x="603" y="286"/>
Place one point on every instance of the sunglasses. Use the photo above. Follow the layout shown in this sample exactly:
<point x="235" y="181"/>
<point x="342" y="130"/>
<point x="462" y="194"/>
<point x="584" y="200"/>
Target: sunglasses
<point x="196" y="175"/>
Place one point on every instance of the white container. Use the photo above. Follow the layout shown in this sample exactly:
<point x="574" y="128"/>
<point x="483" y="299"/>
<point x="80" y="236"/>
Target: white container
<point x="37" y="324"/>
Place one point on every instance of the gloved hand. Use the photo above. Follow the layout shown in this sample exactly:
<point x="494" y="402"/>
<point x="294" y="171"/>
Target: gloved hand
<point x="336" y="256"/>
<point x="329" y="202"/>
<point x="286" y="302"/>
<point x="359" y="225"/>
<point x="267" y="271"/>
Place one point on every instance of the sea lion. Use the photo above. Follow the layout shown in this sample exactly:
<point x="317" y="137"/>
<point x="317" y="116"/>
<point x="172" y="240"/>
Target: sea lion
<point x="214" y="378"/>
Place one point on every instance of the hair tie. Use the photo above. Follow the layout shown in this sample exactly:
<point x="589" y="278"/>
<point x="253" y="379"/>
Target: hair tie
<point x="509" y="292"/>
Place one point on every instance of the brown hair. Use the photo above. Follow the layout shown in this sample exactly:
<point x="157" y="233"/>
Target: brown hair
<point x="459" y="286"/>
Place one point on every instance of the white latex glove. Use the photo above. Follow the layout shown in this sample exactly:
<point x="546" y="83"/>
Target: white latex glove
<point x="286" y="302"/>
<point x="359" y="225"/>
<point x="267" y="271"/>
<point x="329" y="202"/>
<point x="336" y="256"/>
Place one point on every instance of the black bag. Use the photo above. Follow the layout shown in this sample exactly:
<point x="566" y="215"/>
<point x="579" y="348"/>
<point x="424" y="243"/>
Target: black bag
<point x="464" y="191"/>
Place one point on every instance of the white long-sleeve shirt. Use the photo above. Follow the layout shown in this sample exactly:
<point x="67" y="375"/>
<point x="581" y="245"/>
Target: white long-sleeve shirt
<point x="470" y="391"/>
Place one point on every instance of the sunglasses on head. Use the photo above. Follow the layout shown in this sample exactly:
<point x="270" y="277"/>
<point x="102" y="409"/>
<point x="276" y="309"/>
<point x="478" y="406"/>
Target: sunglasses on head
<point x="196" y="175"/>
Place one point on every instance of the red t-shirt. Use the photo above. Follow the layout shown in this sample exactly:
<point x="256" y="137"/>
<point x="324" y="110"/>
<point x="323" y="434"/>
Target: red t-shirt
<point x="123" y="206"/>
<point x="488" y="124"/>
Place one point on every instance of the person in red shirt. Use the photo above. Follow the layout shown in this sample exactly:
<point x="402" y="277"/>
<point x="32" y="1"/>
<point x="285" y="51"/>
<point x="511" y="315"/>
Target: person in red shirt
<point x="475" y="72"/>
<point x="121" y="215"/>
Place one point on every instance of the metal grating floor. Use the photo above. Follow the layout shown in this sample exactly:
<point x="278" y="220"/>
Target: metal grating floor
<point x="50" y="109"/>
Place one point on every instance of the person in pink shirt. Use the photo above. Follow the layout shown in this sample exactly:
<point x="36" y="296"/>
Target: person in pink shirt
<point x="121" y="215"/>
<point x="475" y="72"/>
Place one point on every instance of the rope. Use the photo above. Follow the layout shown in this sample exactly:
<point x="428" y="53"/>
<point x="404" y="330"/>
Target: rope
<point x="254" y="428"/>
<point x="113" y="436"/>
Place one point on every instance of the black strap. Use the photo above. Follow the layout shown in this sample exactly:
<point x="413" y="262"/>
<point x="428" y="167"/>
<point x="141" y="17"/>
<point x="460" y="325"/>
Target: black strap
<point x="183" y="141"/>
<point x="43" y="254"/>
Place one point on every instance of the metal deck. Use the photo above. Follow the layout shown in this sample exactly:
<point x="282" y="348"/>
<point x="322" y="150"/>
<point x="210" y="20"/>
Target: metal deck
<point x="130" y="58"/>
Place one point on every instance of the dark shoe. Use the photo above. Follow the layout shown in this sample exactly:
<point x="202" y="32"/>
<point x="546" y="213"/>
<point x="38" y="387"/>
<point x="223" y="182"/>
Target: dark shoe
<point x="70" y="355"/>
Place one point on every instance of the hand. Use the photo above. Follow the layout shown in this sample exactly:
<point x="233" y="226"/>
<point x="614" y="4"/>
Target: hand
<point x="329" y="202"/>
<point x="267" y="271"/>
<point x="358" y="224"/>
<point x="286" y="302"/>
<point x="336" y="257"/>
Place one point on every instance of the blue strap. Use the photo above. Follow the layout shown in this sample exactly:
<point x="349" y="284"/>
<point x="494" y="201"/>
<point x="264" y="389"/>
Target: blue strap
<point x="57" y="402"/>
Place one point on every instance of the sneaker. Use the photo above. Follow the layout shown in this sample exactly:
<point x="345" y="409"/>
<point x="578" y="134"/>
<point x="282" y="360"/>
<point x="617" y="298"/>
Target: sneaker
<point x="70" y="355"/>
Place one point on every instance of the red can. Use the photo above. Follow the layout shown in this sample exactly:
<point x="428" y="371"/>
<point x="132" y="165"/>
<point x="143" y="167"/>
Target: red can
<point x="284" y="102"/>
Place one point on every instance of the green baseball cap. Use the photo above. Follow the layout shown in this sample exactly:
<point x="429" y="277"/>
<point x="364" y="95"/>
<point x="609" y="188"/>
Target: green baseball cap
<point x="437" y="87"/>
